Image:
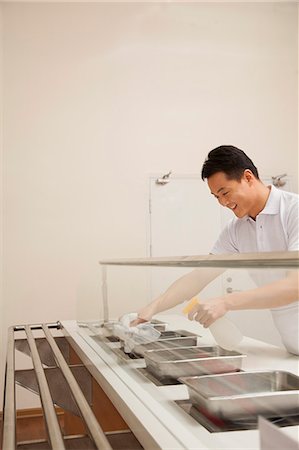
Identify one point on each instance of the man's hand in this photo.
(206, 312)
(137, 321)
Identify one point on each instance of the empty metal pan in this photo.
(190, 361)
(160, 326)
(168, 334)
(163, 343)
(242, 395)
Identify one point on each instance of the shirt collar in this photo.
(272, 204)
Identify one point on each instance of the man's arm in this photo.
(273, 295)
(182, 289)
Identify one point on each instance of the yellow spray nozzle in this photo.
(194, 301)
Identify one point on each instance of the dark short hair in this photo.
(230, 160)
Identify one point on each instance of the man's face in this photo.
(235, 195)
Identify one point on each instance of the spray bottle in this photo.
(225, 332)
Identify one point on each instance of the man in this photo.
(266, 219)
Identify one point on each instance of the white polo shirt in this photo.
(276, 228)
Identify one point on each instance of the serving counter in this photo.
(159, 415)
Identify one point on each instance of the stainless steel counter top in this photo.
(153, 412)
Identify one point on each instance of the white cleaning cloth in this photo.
(141, 334)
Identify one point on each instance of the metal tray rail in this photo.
(53, 428)
(95, 439)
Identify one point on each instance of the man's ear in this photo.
(248, 176)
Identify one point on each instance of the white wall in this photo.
(2, 327)
(97, 97)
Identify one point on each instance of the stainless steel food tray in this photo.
(169, 334)
(190, 361)
(160, 326)
(245, 394)
(163, 343)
